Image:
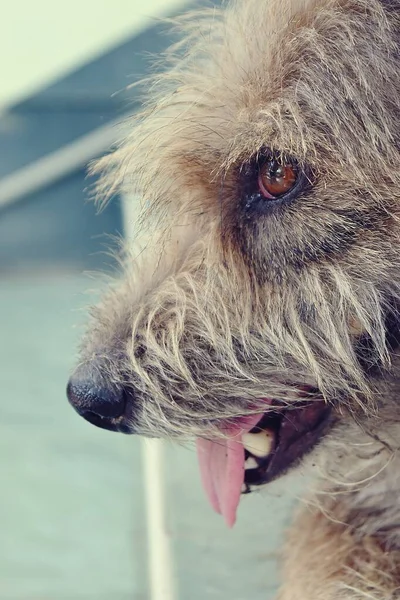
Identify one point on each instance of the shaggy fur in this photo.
(226, 305)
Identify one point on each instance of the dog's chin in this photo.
(281, 439)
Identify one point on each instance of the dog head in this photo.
(263, 305)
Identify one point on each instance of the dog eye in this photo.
(276, 177)
(271, 180)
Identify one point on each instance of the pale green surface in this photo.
(72, 509)
(71, 494)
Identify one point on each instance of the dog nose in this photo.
(95, 400)
(100, 401)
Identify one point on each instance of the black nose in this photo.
(95, 400)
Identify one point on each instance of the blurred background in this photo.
(76, 523)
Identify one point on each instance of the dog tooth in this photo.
(258, 444)
(251, 463)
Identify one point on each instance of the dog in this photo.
(261, 315)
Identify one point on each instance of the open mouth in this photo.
(280, 439)
(258, 449)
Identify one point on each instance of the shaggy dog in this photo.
(262, 315)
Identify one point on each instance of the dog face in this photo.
(263, 307)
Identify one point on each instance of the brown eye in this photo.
(276, 178)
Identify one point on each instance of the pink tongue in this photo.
(222, 468)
